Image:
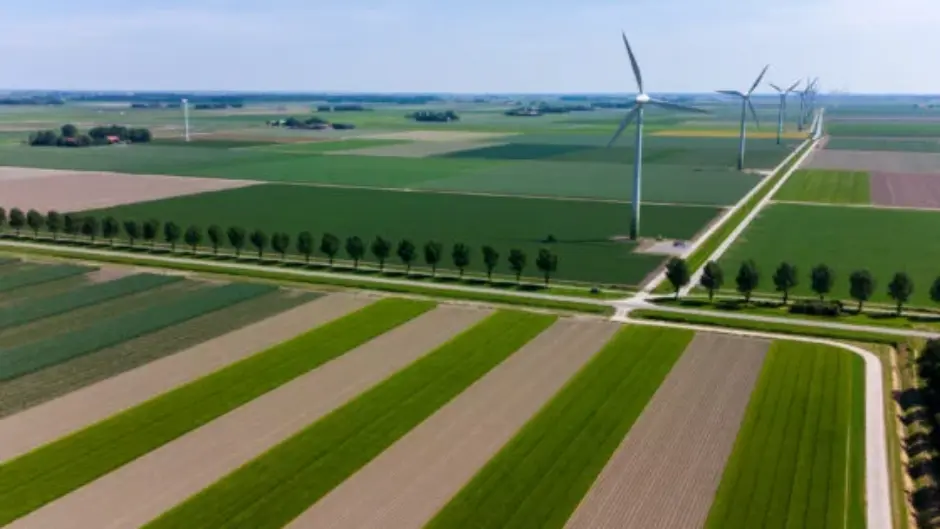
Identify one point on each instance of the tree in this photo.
(3, 218)
(748, 278)
(53, 223)
(490, 260)
(236, 237)
(433, 251)
(935, 291)
(171, 234)
(407, 252)
(71, 224)
(821, 279)
(517, 262)
(69, 131)
(712, 278)
(259, 240)
(215, 237)
(110, 228)
(150, 230)
(329, 246)
(193, 237)
(132, 229)
(861, 287)
(355, 248)
(280, 243)
(90, 227)
(35, 221)
(677, 272)
(381, 249)
(900, 289)
(547, 263)
(305, 244)
(461, 256)
(785, 279)
(17, 220)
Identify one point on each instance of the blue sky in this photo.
(478, 46)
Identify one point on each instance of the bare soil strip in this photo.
(65, 191)
(906, 190)
(887, 161)
(142, 490)
(406, 485)
(47, 422)
(665, 473)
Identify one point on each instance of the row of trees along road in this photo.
(238, 238)
(786, 277)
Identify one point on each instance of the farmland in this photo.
(830, 187)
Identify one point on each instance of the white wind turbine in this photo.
(745, 105)
(783, 106)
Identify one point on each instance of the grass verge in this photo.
(539, 477)
(289, 478)
(47, 473)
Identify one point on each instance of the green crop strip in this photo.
(40, 274)
(538, 478)
(31, 481)
(278, 486)
(33, 356)
(799, 457)
(36, 309)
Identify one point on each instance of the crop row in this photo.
(285, 481)
(40, 274)
(84, 296)
(539, 477)
(45, 474)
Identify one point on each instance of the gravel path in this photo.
(665, 473)
(406, 485)
(145, 488)
(47, 422)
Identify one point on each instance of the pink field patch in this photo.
(65, 191)
(905, 190)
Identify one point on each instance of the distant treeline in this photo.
(546, 108)
(37, 100)
(70, 136)
(427, 115)
(343, 107)
(230, 98)
(312, 123)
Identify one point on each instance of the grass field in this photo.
(582, 229)
(799, 458)
(539, 477)
(30, 481)
(885, 128)
(292, 476)
(31, 275)
(885, 144)
(847, 239)
(830, 187)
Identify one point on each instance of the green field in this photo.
(291, 477)
(830, 187)
(884, 128)
(885, 144)
(799, 459)
(31, 275)
(539, 477)
(32, 480)
(847, 239)
(582, 229)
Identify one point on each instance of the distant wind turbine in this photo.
(783, 106)
(745, 104)
(636, 113)
(805, 97)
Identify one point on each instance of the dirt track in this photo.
(912, 190)
(665, 473)
(887, 161)
(65, 191)
(145, 488)
(47, 422)
(405, 486)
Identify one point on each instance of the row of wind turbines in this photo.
(807, 105)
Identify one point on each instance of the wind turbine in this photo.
(805, 96)
(745, 104)
(636, 113)
(783, 106)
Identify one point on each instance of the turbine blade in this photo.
(676, 106)
(730, 93)
(794, 85)
(753, 112)
(624, 124)
(636, 67)
(759, 79)
(775, 87)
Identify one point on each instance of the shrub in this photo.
(817, 308)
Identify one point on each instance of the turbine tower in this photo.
(636, 113)
(783, 106)
(805, 96)
(745, 104)
(185, 104)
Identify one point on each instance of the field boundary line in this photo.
(858, 206)
(877, 489)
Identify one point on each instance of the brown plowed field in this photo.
(909, 190)
(405, 486)
(665, 473)
(64, 191)
(887, 161)
(47, 422)
(145, 488)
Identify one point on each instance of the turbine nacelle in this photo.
(642, 99)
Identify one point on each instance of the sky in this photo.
(483, 46)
